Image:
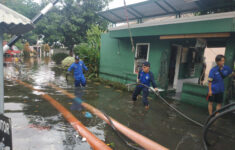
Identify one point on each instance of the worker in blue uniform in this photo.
(145, 77)
(216, 83)
(78, 66)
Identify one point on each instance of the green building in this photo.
(174, 47)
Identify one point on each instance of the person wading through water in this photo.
(78, 66)
(216, 83)
(145, 77)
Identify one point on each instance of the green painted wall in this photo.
(117, 59)
(210, 26)
(194, 94)
(230, 59)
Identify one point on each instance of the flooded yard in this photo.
(36, 124)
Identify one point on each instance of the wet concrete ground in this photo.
(36, 124)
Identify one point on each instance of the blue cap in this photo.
(77, 57)
(146, 64)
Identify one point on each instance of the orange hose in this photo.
(95, 143)
(143, 141)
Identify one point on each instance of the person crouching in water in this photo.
(216, 83)
(145, 77)
(78, 66)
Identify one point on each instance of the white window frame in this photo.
(136, 48)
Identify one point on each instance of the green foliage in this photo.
(66, 23)
(19, 45)
(59, 57)
(69, 23)
(93, 37)
(67, 62)
(90, 52)
(27, 8)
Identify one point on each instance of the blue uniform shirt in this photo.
(217, 80)
(78, 69)
(147, 78)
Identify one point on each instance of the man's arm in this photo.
(210, 79)
(84, 66)
(71, 67)
(210, 90)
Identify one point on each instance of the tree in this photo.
(27, 8)
(66, 23)
(90, 51)
(69, 23)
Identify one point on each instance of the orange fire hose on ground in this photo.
(141, 140)
(94, 142)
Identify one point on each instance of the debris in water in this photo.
(108, 87)
(88, 115)
(39, 127)
(83, 139)
(96, 83)
(111, 144)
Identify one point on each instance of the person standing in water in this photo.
(145, 77)
(216, 83)
(78, 66)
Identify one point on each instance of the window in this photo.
(141, 55)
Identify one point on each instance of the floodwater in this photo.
(36, 124)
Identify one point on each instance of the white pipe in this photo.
(47, 8)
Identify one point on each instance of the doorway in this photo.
(172, 66)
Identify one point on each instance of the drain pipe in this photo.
(141, 140)
(94, 142)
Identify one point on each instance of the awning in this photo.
(155, 8)
(12, 22)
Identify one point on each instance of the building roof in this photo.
(13, 22)
(219, 22)
(155, 8)
(208, 17)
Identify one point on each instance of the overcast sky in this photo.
(116, 3)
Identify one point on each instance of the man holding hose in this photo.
(145, 77)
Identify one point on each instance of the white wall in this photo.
(210, 54)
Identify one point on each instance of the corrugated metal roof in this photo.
(13, 22)
(158, 8)
(178, 20)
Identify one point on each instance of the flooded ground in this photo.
(36, 124)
